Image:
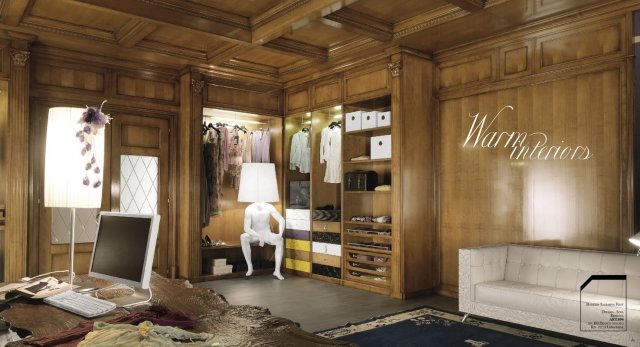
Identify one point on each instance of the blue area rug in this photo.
(428, 327)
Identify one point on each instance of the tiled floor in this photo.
(317, 305)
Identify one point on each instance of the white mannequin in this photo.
(257, 229)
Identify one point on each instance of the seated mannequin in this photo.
(257, 229)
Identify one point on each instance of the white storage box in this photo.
(353, 121)
(221, 270)
(300, 214)
(384, 119)
(326, 248)
(381, 147)
(298, 224)
(220, 262)
(369, 119)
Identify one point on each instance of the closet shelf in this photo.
(371, 131)
(370, 236)
(366, 192)
(369, 249)
(368, 223)
(372, 161)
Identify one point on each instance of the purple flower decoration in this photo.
(92, 121)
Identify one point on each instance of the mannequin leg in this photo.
(245, 241)
(279, 252)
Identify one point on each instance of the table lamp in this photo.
(635, 240)
(258, 185)
(73, 160)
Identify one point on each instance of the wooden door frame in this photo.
(39, 235)
(167, 260)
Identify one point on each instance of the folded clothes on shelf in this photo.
(374, 259)
(371, 219)
(360, 158)
(382, 232)
(376, 245)
(327, 215)
(367, 276)
(383, 188)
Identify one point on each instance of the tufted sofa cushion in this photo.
(569, 269)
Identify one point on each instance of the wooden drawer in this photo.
(326, 259)
(367, 267)
(299, 245)
(298, 265)
(330, 227)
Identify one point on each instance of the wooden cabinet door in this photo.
(140, 174)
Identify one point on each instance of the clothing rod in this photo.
(224, 119)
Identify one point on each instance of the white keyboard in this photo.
(84, 305)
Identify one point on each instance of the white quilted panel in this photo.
(531, 256)
(550, 257)
(529, 274)
(590, 261)
(548, 276)
(569, 260)
(612, 264)
(567, 279)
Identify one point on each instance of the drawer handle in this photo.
(368, 117)
(379, 143)
(383, 117)
(353, 117)
(324, 228)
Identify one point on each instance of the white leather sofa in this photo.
(540, 287)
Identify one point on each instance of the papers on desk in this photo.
(36, 289)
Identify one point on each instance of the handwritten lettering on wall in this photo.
(524, 145)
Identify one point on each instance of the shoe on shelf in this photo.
(207, 241)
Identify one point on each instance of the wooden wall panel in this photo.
(145, 88)
(486, 197)
(218, 96)
(467, 70)
(76, 77)
(327, 93)
(298, 100)
(516, 60)
(367, 83)
(5, 65)
(593, 41)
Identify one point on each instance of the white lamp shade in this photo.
(635, 240)
(258, 183)
(65, 165)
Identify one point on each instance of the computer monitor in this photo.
(124, 248)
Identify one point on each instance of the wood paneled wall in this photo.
(568, 86)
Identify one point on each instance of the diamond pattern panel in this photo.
(86, 225)
(138, 184)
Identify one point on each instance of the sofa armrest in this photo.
(476, 265)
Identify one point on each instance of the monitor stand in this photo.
(139, 297)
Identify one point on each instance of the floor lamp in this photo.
(73, 159)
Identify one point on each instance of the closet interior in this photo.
(230, 138)
(313, 142)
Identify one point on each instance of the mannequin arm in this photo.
(281, 221)
(247, 225)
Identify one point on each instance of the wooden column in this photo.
(18, 173)
(189, 161)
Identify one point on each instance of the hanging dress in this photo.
(331, 153)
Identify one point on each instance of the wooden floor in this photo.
(317, 305)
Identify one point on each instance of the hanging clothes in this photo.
(248, 148)
(331, 153)
(236, 156)
(300, 152)
(213, 158)
(261, 146)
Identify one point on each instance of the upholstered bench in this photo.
(540, 287)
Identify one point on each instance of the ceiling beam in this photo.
(360, 23)
(160, 13)
(300, 49)
(219, 54)
(15, 11)
(292, 18)
(133, 32)
(427, 20)
(468, 5)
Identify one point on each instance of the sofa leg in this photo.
(465, 317)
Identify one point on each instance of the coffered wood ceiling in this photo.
(276, 41)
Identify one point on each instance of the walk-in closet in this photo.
(229, 139)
